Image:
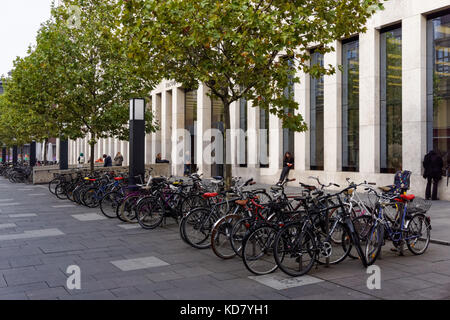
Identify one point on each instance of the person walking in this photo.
(288, 164)
(433, 165)
(108, 161)
(81, 160)
(118, 159)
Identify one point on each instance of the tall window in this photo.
(243, 127)
(316, 116)
(391, 101)
(438, 85)
(288, 135)
(350, 106)
(264, 138)
(190, 120)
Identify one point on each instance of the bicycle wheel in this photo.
(418, 234)
(126, 212)
(192, 202)
(335, 251)
(295, 250)
(53, 184)
(150, 213)
(60, 191)
(109, 204)
(362, 224)
(257, 250)
(263, 197)
(374, 242)
(238, 233)
(197, 225)
(90, 198)
(221, 236)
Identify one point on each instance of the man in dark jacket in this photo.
(433, 165)
(288, 164)
(107, 161)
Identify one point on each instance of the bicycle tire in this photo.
(413, 228)
(150, 207)
(221, 236)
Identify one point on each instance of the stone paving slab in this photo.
(35, 268)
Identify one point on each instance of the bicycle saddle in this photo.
(386, 188)
(308, 187)
(408, 197)
(217, 178)
(210, 195)
(241, 202)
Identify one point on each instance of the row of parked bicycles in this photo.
(267, 229)
(16, 173)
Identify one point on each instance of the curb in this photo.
(441, 242)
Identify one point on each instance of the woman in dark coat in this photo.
(433, 165)
(288, 164)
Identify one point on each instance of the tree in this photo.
(235, 47)
(91, 71)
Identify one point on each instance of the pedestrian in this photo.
(159, 160)
(108, 161)
(288, 164)
(433, 165)
(118, 159)
(81, 160)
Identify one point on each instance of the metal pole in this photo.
(33, 154)
(63, 154)
(137, 150)
(14, 157)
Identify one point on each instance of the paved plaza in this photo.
(41, 236)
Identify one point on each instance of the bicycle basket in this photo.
(419, 205)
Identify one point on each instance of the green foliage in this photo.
(236, 47)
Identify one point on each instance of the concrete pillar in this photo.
(275, 143)
(156, 136)
(302, 97)
(369, 101)
(233, 138)
(252, 135)
(414, 84)
(178, 125)
(333, 112)
(124, 145)
(58, 146)
(166, 125)
(203, 124)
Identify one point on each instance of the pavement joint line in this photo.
(5, 200)
(37, 194)
(64, 206)
(129, 226)
(32, 234)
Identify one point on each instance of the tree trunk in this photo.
(228, 168)
(45, 151)
(92, 144)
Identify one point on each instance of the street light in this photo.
(137, 139)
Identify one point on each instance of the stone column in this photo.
(369, 101)
(156, 136)
(252, 135)
(414, 84)
(302, 96)
(178, 101)
(166, 125)
(333, 112)
(57, 149)
(203, 124)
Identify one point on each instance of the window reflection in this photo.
(316, 116)
(350, 106)
(438, 88)
(391, 101)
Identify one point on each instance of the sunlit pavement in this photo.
(41, 236)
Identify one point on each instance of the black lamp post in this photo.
(14, 157)
(3, 155)
(33, 154)
(137, 139)
(63, 154)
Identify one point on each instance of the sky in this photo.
(19, 22)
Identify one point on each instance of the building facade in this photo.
(383, 112)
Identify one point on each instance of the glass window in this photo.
(350, 106)
(190, 121)
(316, 116)
(391, 101)
(438, 86)
(243, 127)
(264, 138)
